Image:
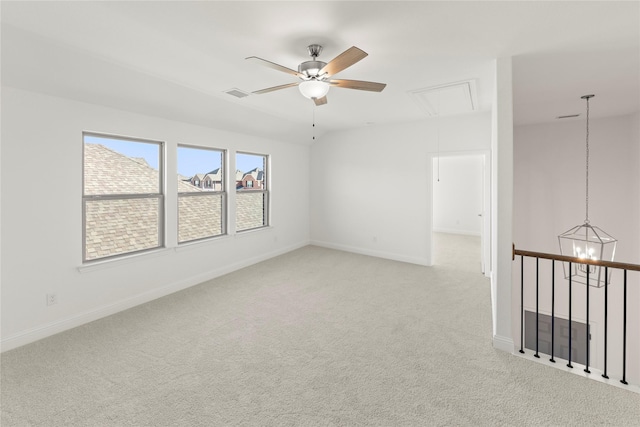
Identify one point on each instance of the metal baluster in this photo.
(586, 369)
(553, 305)
(570, 275)
(522, 304)
(537, 313)
(624, 333)
(606, 299)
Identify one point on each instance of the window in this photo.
(252, 198)
(201, 210)
(122, 199)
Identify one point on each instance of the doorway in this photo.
(460, 206)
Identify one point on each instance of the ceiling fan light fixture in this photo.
(315, 74)
(314, 89)
(311, 68)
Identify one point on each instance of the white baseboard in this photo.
(578, 369)
(369, 252)
(49, 329)
(503, 343)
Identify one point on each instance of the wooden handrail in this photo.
(610, 264)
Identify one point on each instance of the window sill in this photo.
(243, 233)
(125, 259)
(155, 253)
(198, 244)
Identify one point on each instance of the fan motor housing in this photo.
(311, 68)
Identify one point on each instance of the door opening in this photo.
(460, 198)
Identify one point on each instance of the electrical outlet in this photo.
(52, 299)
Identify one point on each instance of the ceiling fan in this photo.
(315, 75)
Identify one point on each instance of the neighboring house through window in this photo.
(201, 207)
(214, 179)
(122, 200)
(252, 192)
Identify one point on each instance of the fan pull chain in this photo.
(314, 123)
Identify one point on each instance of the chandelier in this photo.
(586, 241)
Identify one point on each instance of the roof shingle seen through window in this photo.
(109, 172)
(122, 226)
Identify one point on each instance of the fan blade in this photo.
(275, 66)
(320, 101)
(271, 89)
(358, 84)
(344, 60)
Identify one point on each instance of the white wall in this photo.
(550, 182)
(549, 199)
(42, 215)
(502, 205)
(457, 194)
(635, 137)
(371, 187)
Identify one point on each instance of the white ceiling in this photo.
(176, 59)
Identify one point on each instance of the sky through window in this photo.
(190, 161)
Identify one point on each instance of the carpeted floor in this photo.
(316, 337)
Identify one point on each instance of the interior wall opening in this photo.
(460, 199)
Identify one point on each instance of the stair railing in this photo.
(624, 267)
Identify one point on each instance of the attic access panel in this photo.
(448, 99)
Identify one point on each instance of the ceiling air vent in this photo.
(236, 92)
(447, 99)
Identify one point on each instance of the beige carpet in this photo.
(457, 251)
(316, 337)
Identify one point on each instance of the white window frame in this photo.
(222, 192)
(265, 190)
(160, 196)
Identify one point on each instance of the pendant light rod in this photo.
(586, 220)
(438, 134)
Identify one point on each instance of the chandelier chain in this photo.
(586, 221)
(438, 135)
